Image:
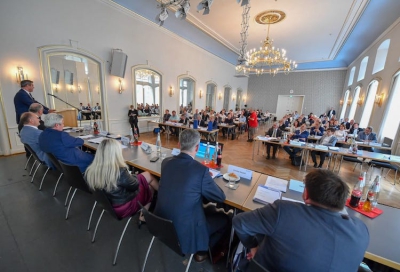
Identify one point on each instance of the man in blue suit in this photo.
(63, 146)
(314, 236)
(30, 135)
(183, 185)
(23, 99)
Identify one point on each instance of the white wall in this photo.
(385, 76)
(99, 26)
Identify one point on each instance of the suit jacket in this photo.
(332, 140)
(22, 101)
(271, 131)
(321, 131)
(40, 127)
(30, 135)
(331, 112)
(65, 148)
(364, 137)
(183, 185)
(298, 237)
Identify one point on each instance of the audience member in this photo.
(331, 112)
(316, 129)
(109, 172)
(274, 132)
(367, 136)
(327, 139)
(133, 119)
(36, 109)
(341, 134)
(166, 117)
(302, 136)
(185, 183)
(253, 124)
(63, 146)
(291, 236)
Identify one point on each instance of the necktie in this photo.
(274, 133)
(31, 96)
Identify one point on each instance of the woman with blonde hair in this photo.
(109, 172)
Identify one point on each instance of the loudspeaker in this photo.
(118, 64)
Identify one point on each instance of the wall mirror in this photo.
(210, 96)
(74, 76)
(147, 91)
(186, 94)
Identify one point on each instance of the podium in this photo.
(70, 117)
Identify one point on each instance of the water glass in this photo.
(231, 183)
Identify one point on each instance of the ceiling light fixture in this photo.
(267, 59)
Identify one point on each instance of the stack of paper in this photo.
(96, 140)
(334, 148)
(276, 184)
(265, 196)
(214, 173)
(321, 147)
(86, 136)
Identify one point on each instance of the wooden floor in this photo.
(239, 152)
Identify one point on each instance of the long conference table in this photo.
(383, 230)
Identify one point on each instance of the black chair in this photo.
(387, 165)
(104, 202)
(35, 156)
(75, 179)
(254, 266)
(353, 159)
(57, 165)
(164, 230)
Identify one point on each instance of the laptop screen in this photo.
(203, 146)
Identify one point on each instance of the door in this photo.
(288, 104)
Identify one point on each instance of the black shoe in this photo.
(200, 257)
(315, 165)
(320, 166)
(141, 220)
(268, 157)
(249, 140)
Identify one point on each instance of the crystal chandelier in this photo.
(267, 59)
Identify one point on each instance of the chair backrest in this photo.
(55, 162)
(74, 177)
(256, 267)
(387, 142)
(35, 156)
(102, 199)
(164, 230)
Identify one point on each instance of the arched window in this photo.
(354, 103)
(344, 107)
(392, 121)
(147, 87)
(351, 76)
(210, 95)
(369, 103)
(363, 68)
(186, 97)
(381, 55)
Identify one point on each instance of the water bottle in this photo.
(210, 126)
(357, 193)
(135, 135)
(158, 144)
(195, 123)
(131, 138)
(219, 156)
(377, 189)
(207, 154)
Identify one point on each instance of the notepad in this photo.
(85, 136)
(334, 148)
(214, 173)
(96, 140)
(276, 183)
(265, 196)
(321, 147)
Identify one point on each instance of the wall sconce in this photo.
(79, 89)
(219, 96)
(171, 91)
(19, 75)
(55, 88)
(71, 88)
(360, 100)
(379, 99)
(341, 102)
(201, 94)
(348, 102)
(233, 97)
(120, 88)
(244, 98)
(98, 90)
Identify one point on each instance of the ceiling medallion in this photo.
(270, 17)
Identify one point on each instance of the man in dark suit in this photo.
(292, 236)
(331, 112)
(36, 109)
(275, 132)
(63, 146)
(23, 99)
(184, 184)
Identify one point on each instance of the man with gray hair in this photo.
(183, 185)
(37, 109)
(63, 146)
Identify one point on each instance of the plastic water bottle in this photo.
(131, 138)
(207, 154)
(158, 144)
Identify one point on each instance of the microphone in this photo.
(51, 94)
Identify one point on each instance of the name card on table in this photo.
(321, 147)
(297, 143)
(103, 133)
(296, 185)
(125, 140)
(241, 172)
(175, 152)
(274, 183)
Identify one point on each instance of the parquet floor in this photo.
(239, 152)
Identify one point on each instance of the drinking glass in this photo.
(231, 183)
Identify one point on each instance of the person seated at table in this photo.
(274, 132)
(201, 122)
(242, 122)
(185, 183)
(316, 129)
(228, 121)
(292, 236)
(174, 119)
(295, 126)
(37, 109)
(109, 172)
(328, 139)
(367, 136)
(214, 123)
(220, 118)
(301, 135)
(341, 133)
(62, 145)
(282, 125)
(166, 117)
(87, 112)
(346, 123)
(97, 111)
(355, 129)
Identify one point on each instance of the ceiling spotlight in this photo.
(244, 2)
(182, 10)
(162, 16)
(205, 4)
